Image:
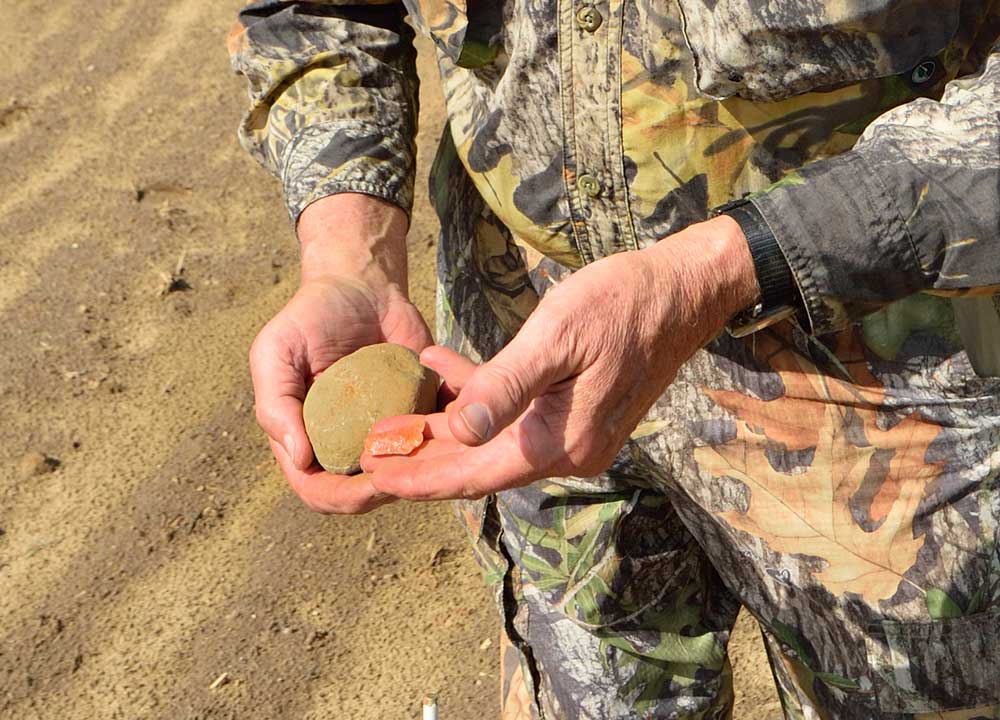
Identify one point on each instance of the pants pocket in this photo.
(599, 558)
(978, 322)
(936, 666)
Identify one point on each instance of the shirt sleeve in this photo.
(915, 205)
(333, 97)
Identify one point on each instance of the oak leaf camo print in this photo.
(836, 476)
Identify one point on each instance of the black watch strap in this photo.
(777, 284)
(780, 297)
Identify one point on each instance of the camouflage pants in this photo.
(843, 489)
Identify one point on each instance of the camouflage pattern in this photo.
(837, 475)
(609, 608)
(333, 92)
(852, 504)
(921, 188)
(314, 119)
(848, 500)
(770, 50)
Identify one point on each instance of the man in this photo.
(640, 473)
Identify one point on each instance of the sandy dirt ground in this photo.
(153, 563)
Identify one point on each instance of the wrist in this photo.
(350, 235)
(730, 260)
(710, 265)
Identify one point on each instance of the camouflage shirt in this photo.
(868, 132)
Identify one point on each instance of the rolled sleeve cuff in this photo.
(844, 238)
(331, 158)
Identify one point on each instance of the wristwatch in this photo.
(779, 297)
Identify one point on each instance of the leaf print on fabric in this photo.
(940, 606)
(806, 511)
(517, 700)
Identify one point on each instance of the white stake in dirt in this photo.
(430, 708)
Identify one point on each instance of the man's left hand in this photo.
(564, 395)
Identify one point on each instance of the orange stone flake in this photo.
(396, 437)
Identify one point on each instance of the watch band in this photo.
(779, 297)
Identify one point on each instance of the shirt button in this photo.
(589, 185)
(589, 18)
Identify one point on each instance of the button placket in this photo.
(590, 78)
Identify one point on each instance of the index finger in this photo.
(453, 369)
(466, 472)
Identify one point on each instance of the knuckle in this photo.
(356, 508)
(588, 457)
(471, 493)
(257, 348)
(565, 467)
(312, 503)
(270, 340)
(342, 506)
(263, 416)
(331, 502)
(558, 315)
(303, 498)
(506, 380)
(315, 507)
(560, 332)
(353, 506)
(581, 447)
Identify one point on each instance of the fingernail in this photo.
(289, 444)
(477, 419)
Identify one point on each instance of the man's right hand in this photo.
(353, 293)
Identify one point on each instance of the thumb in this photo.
(500, 390)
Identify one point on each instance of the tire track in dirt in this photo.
(143, 626)
(45, 22)
(123, 95)
(128, 458)
(140, 314)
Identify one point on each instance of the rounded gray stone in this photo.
(354, 393)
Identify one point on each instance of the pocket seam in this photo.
(891, 695)
(842, 74)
